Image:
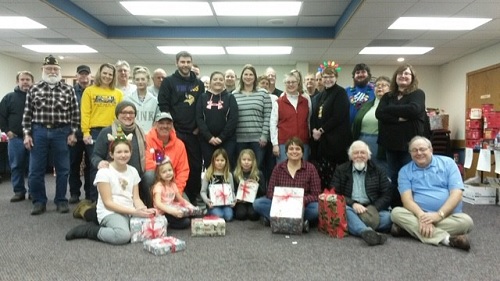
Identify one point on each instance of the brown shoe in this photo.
(81, 208)
(398, 231)
(460, 242)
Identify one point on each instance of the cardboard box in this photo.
(479, 195)
(479, 191)
(480, 200)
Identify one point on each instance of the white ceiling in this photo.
(324, 30)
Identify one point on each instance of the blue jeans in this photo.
(396, 160)
(262, 206)
(260, 152)
(225, 212)
(283, 156)
(76, 154)
(45, 141)
(355, 225)
(18, 161)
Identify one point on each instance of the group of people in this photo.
(145, 147)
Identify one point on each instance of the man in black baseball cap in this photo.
(83, 79)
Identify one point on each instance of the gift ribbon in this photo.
(328, 197)
(221, 194)
(287, 196)
(151, 232)
(211, 217)
(245, 190)
(171, 241)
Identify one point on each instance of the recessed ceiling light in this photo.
(257, 8)
(19, 23)
(435, 23)
(255, 50)
(395, 50)
(198, 50)
(60, 48)
(61, 57)
(164, 8)
(401, 59)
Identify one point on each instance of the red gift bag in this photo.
(332, 216)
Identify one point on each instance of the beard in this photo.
(51, 79)
(362, 83)
(359, 165)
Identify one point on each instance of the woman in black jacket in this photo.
(331, 131)
(401, 114)
(217, 117)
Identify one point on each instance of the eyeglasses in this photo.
(130, 113)
(381, 85)
(421, 150)
(406, 73)
(291, 82)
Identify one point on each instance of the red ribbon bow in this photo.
(245, 190)
(287, 196)
(221, 194)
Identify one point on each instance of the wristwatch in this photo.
(441, 214)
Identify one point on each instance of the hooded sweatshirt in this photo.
(174, 149)
(178, 96)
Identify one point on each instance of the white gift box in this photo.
(247, 191)
(221, 194)
(287, 210)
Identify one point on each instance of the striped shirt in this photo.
(51, 106)
(253, 117)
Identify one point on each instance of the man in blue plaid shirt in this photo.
(51, 118)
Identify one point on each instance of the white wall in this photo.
(444, 86)
(8, 68)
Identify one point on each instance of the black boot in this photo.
(88, 230)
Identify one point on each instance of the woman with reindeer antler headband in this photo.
(125, 113)
(118, 186)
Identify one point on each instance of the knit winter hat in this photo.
(122, 105)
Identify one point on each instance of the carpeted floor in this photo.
(33, 248)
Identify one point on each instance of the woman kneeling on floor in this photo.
(118, 198)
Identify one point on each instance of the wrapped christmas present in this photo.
(142, 229)
(164, 245)
(221, 194)
(208, 226)
(186, 211)
(332, 215)
(287, 210)
(247, 191)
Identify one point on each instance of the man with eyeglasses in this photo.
(51, 118)
(368, 194)
(431, 191)
(362, 91)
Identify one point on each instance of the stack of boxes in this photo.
(482, 127)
